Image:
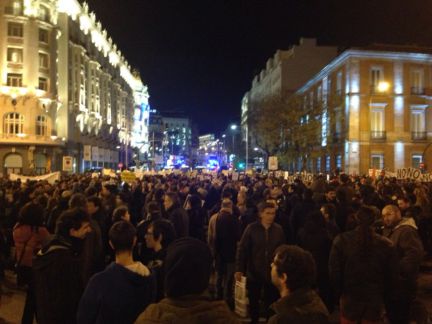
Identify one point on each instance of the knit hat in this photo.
(187, 267)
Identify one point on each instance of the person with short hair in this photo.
(176, 214)
(57, 270)
(187, 274)
(403, 233)
(121, 214)
(160, 234)
(293, 273)
(124, 289)
(254, 257)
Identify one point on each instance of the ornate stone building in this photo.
(65, 90)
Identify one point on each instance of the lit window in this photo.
(43, 13)
(318, 164)
(15, 30)
(41, 125)
(43, 35)
(14, 8)
(376, 76)
(43, 84)
(14, 80)
(43, 60)
(416, 159)
(14, 55)
(327, 163)
(377, 161)
(13, 124)
(339, 162)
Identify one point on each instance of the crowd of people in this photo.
(169, 249)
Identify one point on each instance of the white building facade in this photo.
(65, 90)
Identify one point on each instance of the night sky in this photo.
(199, 57)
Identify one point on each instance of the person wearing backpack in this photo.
(29, 235)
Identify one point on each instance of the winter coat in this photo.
(256, 249)
(197, 219)
(409, 250)
(301, 306)
(363, 279)
(191, 309)
(227, 236)
(299, 215)
(35, 238)
(57, 282)
(316, 240)
(117, 295)
(180, 220)
(93, 254)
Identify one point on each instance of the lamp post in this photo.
(233, 129)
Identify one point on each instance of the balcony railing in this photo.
(378, 135)
(418, 136)
(418, 91)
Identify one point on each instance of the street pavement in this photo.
(12, 299)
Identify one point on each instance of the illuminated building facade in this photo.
(283, 75)
(65, 90)
(379, 98)
(178, 136)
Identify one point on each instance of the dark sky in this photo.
(200, 57)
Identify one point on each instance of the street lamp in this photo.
(383, 86)
(233, 129)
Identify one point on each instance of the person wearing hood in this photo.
(176, 214)
(403, 233)
(58, 283)
(124, 289)
(187, 274)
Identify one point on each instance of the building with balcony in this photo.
(375, 109)
(283, 75)
(65, 90)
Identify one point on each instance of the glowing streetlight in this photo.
(383, 86)
(233, 127)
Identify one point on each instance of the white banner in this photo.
(87, 152)
(408, 173)
(272, 163)
(50, 177)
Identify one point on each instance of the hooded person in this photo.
(124, 289)
(187, 274)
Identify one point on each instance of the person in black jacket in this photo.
(197, 217)
(315, 238)
(121, 292)
(254, 256)
(364, 270)
(176, 214)
(57, 276)
(226, 237)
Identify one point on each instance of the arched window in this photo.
(13, 123)
(41, 125)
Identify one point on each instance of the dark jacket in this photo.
(117, 295)
(409, 250)
(188, 310)
(301, 306)
(57, 281)
(227, 236)
(299, 215)
(256, 249)
(197, 219)
(363, 278)
(180, 220)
